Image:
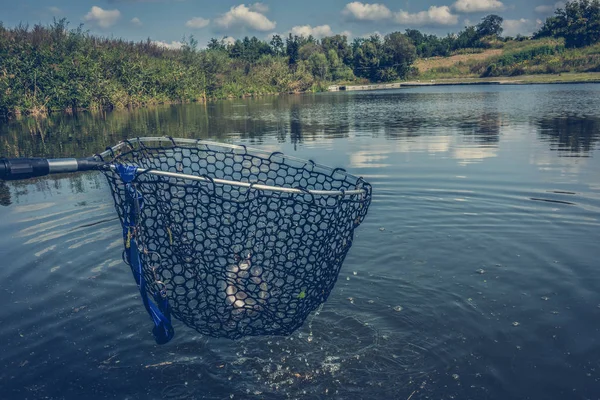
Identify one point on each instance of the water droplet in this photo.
(398, 308)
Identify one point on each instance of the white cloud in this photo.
(102, 18)
(228, 41)
(434, 16)
(514, 27)
(55, 10)
(243, 17)
(366, 12)
(172, 46)
(259, 8)
(549, 9)
(317, 32)
(473, 6)
(197, 23)
(136, 22)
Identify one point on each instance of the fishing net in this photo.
(232, 241)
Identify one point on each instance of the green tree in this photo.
(468, 38)
(578, 23)
(398, 55)
(277, 46)
(490, 25)
(292, 45)
(338, 43)
(367, 57)
(319, 66)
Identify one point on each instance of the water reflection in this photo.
(483, 129)
(478, 115)
(570, 135)
(5, 199)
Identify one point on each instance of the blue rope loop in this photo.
(159, 309)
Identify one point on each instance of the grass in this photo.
(547, 57)
(572, 77)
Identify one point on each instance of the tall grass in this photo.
(48, 68)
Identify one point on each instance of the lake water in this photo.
(475, 275)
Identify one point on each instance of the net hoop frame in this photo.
(130, 144)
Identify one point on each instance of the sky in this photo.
(168, 21)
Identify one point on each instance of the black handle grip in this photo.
(23, 168)
(12, 169)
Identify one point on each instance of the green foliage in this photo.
(578, 23)
(490, 25)
(469, 39)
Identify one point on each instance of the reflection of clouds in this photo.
(427, 144)
(369, 159)
(450, 146)
(472, 155)
(559, 166)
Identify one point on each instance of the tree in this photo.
(398, 55)
(292, 45)
(467, 39)
(215, 44)
(308, 49)
(578, 23)
(338, 43)
(277, 45)
(490, 26)
(319, 65)
(367, 57)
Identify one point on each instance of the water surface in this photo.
(475, 274)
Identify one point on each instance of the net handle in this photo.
(26, 168)
(242, 149)
(248, 185)
(13, 169)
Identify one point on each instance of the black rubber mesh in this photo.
(240, 261)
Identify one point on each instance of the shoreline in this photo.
(542, 79)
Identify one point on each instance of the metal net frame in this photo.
(234, 241)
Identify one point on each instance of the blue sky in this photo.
(167, 21)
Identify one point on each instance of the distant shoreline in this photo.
(566, 78)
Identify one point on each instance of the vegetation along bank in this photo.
(53, 68)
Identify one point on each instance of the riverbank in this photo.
(578, 77)
(585, 77)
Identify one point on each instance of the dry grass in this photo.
(582, 77)
(426, 64)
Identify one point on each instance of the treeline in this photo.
(47, 68)
(53, 68)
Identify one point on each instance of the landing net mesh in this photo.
(238, 261)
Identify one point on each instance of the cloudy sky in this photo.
(167, 21)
